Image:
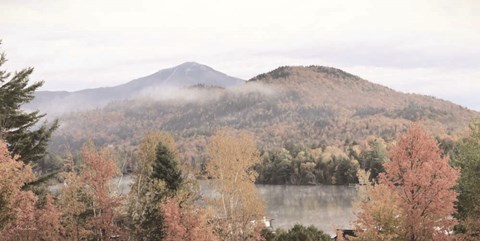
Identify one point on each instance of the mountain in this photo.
(184, 75)
(313, 106)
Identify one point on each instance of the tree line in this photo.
(338, 165)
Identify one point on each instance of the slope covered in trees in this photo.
(312, 106)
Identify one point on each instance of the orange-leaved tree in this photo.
(424, 182)
(73, 206)
(97, 173)
(185, 223)
(17, 207)
(48, 221)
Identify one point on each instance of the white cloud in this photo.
(414, 45)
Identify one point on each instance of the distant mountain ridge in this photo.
(307, 105)
(183, 75)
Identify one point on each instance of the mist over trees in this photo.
(311, 106)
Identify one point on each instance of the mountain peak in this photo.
(334, 72)
(285, 72)
(190, 64)
(184, 75)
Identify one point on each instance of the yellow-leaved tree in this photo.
(380, 217)
(238, 208)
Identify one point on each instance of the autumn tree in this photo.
(173, 227)
(73, 201)
(380, 217)
(97, 173)
(469, 230)
(230, 166)
(424, 182)
(22, 131)
(23, 226)
(48, 221)
(468, 160)
(152, 184)
(17, 207)
(185, 223)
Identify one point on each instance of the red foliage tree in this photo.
(23, 227)
(173, 226)
(424, 182)
(17, 207)
(48, 221)
(97, 173)
(185, 223)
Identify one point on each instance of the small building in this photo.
(268, 222)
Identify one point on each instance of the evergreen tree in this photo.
(296, 233)
(165, 168)
(468, 161)
(166, 179)
(152, 184)
(373, 158)
(21, 130)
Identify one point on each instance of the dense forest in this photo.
(312, 124)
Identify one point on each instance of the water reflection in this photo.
(326, 207)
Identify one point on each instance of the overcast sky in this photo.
(428, 47)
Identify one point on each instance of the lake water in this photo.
(325, 206)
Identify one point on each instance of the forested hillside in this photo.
(311, 106)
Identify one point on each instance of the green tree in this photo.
(297, 233)
(373, 158)
(165, 168)
(152, 184)
(345, 171)
(21, 129)
(468, 160)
